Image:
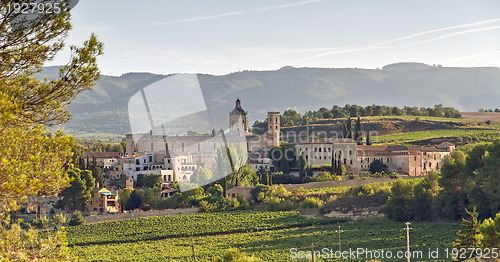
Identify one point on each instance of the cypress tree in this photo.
(339, 167)
(302, 164)
(359, 135)
(333, 165)
(368, 138)
(349, 128)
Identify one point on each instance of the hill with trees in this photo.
(104, 109)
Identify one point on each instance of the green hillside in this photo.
(104, 109)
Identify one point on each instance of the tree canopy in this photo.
(33, 162)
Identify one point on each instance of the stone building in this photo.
(107, 160)
(411, 160)
(321, 152)
(101, 199)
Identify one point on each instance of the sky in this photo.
(220, 37)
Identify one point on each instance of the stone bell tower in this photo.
(273, 129)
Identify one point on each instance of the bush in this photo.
(377, 167)
(41, 222)
(58, 219)
(259, 192)
(277, 191)
(280, 178)
(76, 219)
(325, 176)
(311, 202)
(278, 204)
(216, 204)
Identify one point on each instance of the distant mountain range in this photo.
(104, 109)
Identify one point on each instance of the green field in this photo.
(429, 134)
(267, 235)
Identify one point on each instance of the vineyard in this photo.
(267, 235)
(408, 137)
(204, 224)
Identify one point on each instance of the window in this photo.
(320, 149)
(387, 160)
(345, 161)
(414, 158)
(424, 165)
(144, 160)
(329, 150)
(319, 157)
(350, 152)
(307, 157)
(315, 149)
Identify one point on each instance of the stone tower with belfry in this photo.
(273, 128)
(237, 115)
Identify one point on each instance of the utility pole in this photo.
(408, 240)
(340, 245)
(312, 247)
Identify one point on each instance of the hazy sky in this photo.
(220, 37)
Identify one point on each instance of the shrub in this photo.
(259, 192)
(58, 219)
(325, 176)
(278, 204)
(277, 191)
(76, 219)
(311, 202)
(40, 222)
